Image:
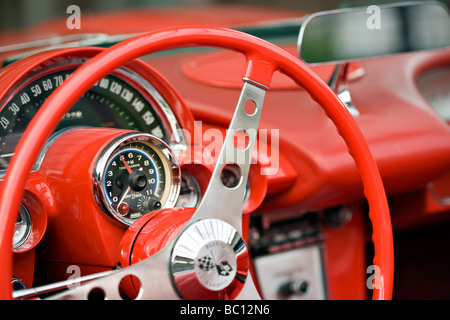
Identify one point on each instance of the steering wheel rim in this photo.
(263, 59)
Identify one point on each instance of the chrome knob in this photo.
(296, 286)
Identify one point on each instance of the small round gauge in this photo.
(190, 192)
(136, 174)
(23, 227)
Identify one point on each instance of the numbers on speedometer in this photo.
(118, 100)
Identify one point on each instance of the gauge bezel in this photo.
(171, 168)
(26, 218)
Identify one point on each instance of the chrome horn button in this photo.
(209, 261)
(215, 265)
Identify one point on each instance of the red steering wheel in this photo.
(263, 59)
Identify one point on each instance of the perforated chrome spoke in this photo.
(220, 201)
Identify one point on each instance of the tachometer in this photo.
(134, 175)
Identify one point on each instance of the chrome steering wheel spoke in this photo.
(222, 202)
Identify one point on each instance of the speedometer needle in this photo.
(126, 164)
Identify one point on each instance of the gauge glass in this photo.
(22, 228)
(137, 175)
(190, 192)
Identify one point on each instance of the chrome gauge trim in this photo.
(170, 167)
(190, 192)
(22, 228)
(47, 145)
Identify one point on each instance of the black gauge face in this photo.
(136, 175)
(135, 180)
(115, 102)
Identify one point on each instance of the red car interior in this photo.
(336, 206)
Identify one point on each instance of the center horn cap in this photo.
(209, 261)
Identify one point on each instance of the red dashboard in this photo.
(158, 123)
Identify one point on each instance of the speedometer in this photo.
(134, 175)
(122, 99)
